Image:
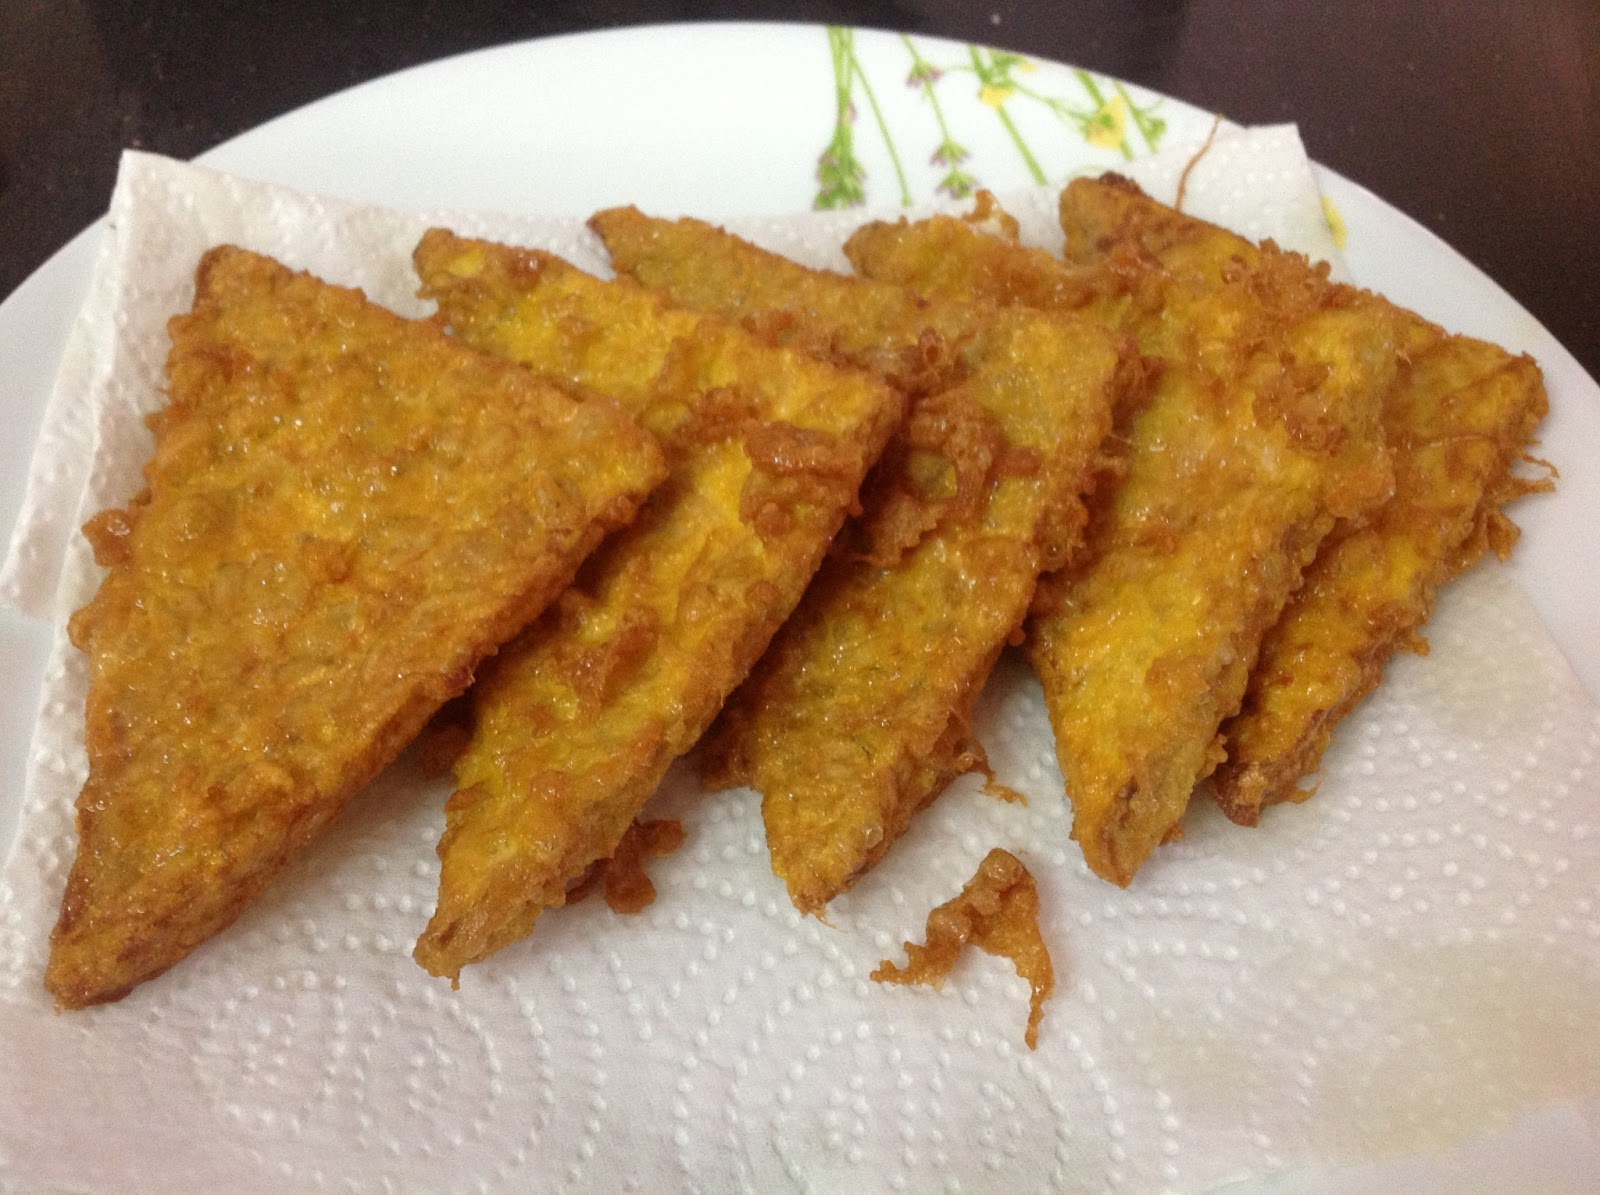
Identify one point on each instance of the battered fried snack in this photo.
(346, 511)
(1460, 412)
(1457, 420)
(873, 326)
(998, 911)
(857, 716)
(577, 722)
(1263, 432)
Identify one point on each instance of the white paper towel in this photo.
(1411, 958)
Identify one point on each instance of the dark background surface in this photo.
(1480, 118)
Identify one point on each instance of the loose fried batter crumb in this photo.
(628, 887)
(974, 758)
(998, 910)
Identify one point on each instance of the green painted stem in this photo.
(883, 128)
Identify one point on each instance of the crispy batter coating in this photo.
(998, 911)
(577, 722)
(346, 511)
(1459, 412)
(857, 717)
(883, 328)
(1457, 420)
(1262, 432)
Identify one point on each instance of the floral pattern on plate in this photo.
(1105, 114)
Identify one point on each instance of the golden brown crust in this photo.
(1262, 428)
(857, 717)
(346, 512)
(1458, 419)
(579, 719)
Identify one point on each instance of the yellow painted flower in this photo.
(1107, 128)
(1336, 224)
(995, 95)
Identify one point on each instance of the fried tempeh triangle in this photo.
(346, 511)
(857, 717)
(1457, 420)
(1262, 433)
(1460, 413)
(578, 720)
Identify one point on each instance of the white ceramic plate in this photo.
(737, 119)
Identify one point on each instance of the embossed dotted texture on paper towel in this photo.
(1332, 985)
